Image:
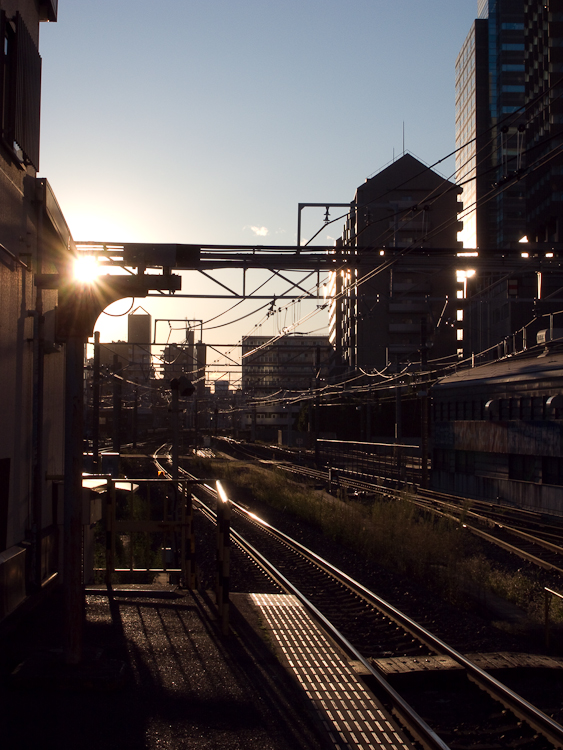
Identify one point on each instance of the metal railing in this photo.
(401, 464)
(149, 528)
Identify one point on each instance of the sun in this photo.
(86, 269)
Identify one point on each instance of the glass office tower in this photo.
(489, 100)
(473, 158)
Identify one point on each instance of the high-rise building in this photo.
(396, 307)
(473, 132)
(290, 363)
(507, 211)
(515, 191)
(490, 126)
(543, 62)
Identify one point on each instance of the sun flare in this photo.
(86, 269)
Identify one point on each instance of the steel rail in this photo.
(520, 707)
(511, 700)
(404, 712)
(425, 503)
(523, 554)
(495, 524)
(504, 513)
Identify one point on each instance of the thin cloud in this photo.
(259, 231)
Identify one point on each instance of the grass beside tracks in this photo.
(395, 534)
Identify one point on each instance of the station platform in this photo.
(157, 674)
(350, 714)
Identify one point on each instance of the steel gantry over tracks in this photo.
(282, 260)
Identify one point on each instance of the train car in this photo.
(497, 432)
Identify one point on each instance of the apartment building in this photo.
(275, 372)
(396, 307)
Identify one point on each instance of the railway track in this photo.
(530, 536)
(481, 711)
(539, 548)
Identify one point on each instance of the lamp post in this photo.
(96, 406)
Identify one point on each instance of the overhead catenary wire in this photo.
(366, 277)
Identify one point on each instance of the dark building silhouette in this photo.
(509, 119)
(396, 308)
(543, 59)
(473, 125)
(271, 370)
(509, 124)
(490, 126)
(34, 240)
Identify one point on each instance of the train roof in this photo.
(518, 369)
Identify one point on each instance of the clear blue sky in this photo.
(208, 122)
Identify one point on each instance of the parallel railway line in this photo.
(369, 628)
(531, 536)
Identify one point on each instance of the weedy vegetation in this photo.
(395, 534)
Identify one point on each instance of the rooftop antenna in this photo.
(403, 137)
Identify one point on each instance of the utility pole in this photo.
(423, 406)
(398, 426)
(180, 387)
(398, 412)
(96, 406)
(117, 387)
(196, 427)
(135, 412)
(316, 411)
(174, 386)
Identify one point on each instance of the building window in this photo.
(20, 94)
(522, 468)
(464, 462)
(515, 408)
(526, 408)
(538, 408)
(552, 470)
(442, 460)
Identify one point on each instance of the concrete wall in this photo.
(34, 240)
